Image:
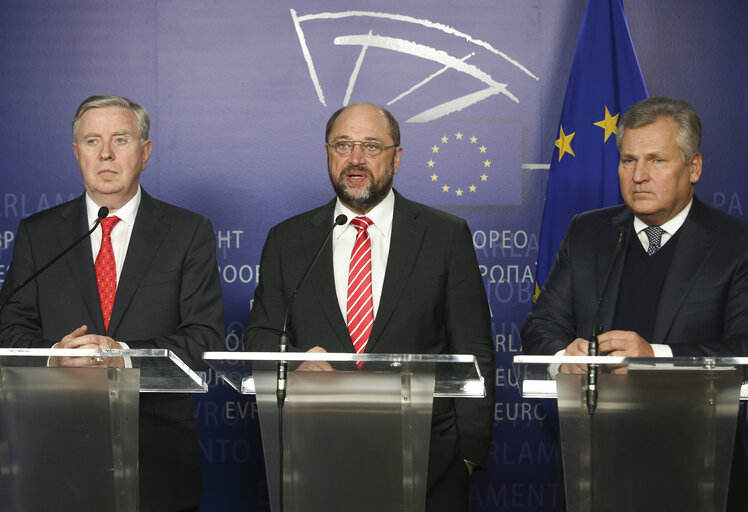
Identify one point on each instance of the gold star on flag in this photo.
(445, 139)
(473, 139)
(431, 163)
(482, 149)
(484, 177)
(487, 163)
(445, 188)
(608, 124)
(473, 188)
(564, 143)
(434, 177)
(435, 149)
(458, 135)
(458, 192)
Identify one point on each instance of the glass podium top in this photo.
(160, 369)
(538, 373)
(456, 375)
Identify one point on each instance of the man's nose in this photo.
(106, 152)
(357, 155)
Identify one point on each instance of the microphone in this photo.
(103, 212)
(591, 389)
(284, 339)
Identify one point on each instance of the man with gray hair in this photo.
(148, 279)
(680, 287)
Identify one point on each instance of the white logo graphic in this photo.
(395, 44)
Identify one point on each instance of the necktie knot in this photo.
(361, 223)
(107, 224)
(654, 235)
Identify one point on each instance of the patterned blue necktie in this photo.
(654, 234)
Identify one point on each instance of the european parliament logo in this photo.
(435, 79)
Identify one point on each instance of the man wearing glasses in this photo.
(398, 277)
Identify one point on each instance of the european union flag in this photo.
(605, 80)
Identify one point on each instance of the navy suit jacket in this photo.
(169, 297)
(433, 301)
(703, 307)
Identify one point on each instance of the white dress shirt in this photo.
(668, 229)
(343, 239)
(120, 233)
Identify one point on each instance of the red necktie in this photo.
(360, 303)
(106, 269)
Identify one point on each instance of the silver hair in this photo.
(650, 110)
(112, 100)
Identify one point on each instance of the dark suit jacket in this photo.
(169, 296)
(433, 301)
(703, 308)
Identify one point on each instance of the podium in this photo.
(352, 440)
(661, 436)
(69, 436)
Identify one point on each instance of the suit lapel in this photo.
(147, 236)
(606, 246)
(80, 259)
(322, 277)
(405, 242)
(690, 256)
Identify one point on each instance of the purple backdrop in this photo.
(239, 93)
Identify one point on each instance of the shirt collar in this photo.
(672, 226)
(381, 215)
(126, 214)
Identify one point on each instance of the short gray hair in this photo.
(649, 110)
(112, 100)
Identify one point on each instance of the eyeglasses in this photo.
(369, 147)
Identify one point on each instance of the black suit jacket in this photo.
(433, 301)
(169, 296)
(703, 308)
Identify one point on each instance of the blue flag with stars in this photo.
(605, 80)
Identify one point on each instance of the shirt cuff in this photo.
(662, 350)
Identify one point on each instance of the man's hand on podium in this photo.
(624, 344)
(578, 347)
(79, 339)
(315, 366)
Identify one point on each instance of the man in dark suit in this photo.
(168, 295)
(425, 294)
(690, 297)
(680, 287)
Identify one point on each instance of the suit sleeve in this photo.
(730, 320)
(199, 325)
(551, 325)
(266, 315)
(21, 320)
(468, 325)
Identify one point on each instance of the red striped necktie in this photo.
(360, 302)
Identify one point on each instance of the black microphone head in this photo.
(103, 212)
(340, 220)
(621, 232)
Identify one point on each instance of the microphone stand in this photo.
(103, 212)
(284, 341)
(592, 350)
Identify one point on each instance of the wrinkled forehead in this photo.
(361, 121)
